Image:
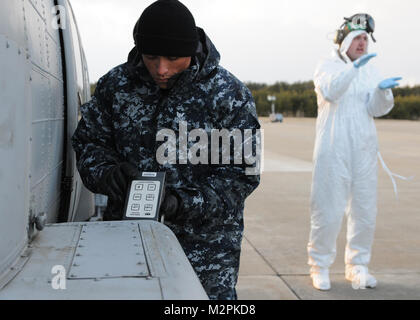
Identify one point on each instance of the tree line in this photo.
(299, 100)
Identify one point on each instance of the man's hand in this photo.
(115, 181)
(389, 83)
(170, 204)
(363, 60)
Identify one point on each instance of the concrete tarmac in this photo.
(277, 219)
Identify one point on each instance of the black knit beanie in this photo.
(166, 28)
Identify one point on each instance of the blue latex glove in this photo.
(389, 83)
(363, 60)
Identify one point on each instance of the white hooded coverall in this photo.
(345, 157)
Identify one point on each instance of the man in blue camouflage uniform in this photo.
(116, 139)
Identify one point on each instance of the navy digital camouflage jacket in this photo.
(120, 124)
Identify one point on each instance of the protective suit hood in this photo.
(345, 45)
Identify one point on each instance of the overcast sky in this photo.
(261, 40)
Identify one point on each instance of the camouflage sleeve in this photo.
(93, 140)
(221, 194)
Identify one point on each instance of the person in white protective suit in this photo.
(350, 94)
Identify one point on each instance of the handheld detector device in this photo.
(144, 197)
